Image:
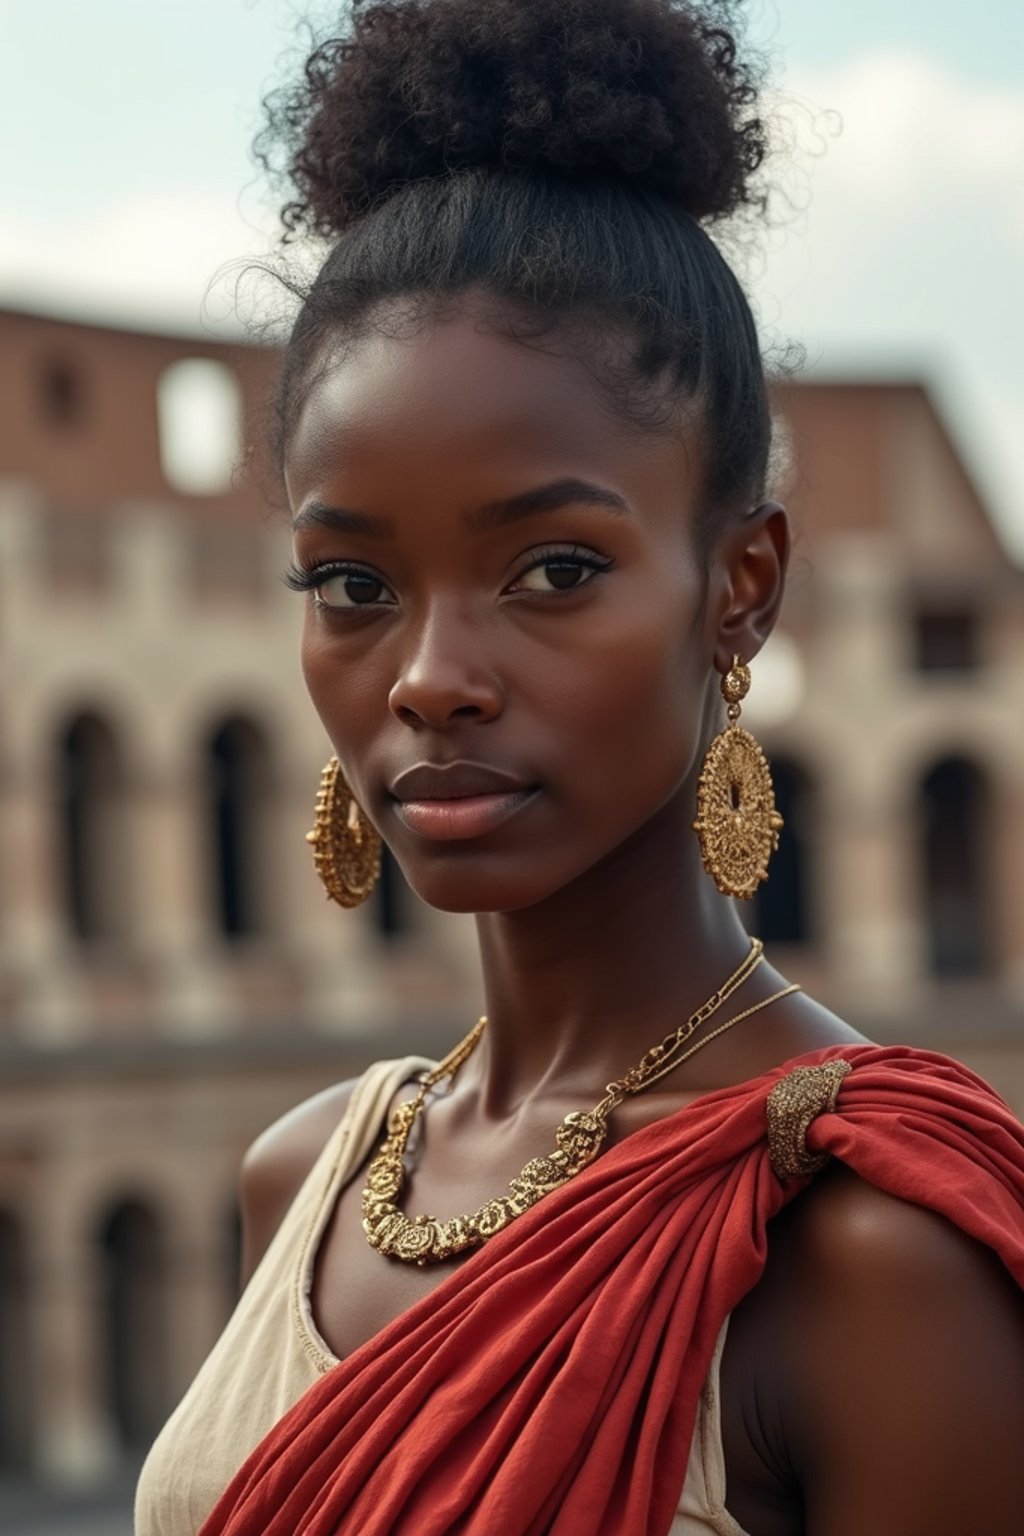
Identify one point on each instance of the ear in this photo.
(749, 566)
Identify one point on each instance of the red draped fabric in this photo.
(550, 1384)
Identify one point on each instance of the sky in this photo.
(128, 192)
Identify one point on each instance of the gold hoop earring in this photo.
(737, 823)
(346, 845)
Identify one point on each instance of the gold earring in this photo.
(737, 823)
(346, 845)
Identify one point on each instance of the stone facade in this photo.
(171, 978)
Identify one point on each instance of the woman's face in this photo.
(505, 637)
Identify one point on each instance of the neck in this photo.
(577, 987)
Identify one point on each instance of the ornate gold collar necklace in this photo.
(580, 1137)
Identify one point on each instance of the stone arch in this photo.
(240, 829)
(16, 1373)
(134, 1319)
(954, 796)
(93, 836)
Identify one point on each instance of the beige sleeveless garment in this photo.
(271, 1352)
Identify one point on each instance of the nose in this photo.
(445, 676)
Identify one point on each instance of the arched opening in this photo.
(781, 912)
(16, 1374)
(391, 899)
(954, 813)
(134, 1322)
(199, 410)
(239, 801)
(61, 392)
(91, 808)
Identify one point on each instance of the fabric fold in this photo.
(550, 1384)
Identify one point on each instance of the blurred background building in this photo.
(171, 978)
(170, 975)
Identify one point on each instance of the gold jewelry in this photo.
(737, 823)
(346, 845)
(578, 1140)
(796, 1100)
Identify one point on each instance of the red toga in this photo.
(550, 1384)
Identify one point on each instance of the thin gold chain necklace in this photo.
(578, 1140)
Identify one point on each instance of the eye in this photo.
(339, 587)
(352, 589)
(560, 570)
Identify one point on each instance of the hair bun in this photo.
(652, 91)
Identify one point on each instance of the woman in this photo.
(525, 436)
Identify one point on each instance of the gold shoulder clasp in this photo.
(796, 1100)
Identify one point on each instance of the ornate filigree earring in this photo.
(346, 845)
(737, 823)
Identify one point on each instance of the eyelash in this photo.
(298, 578)
(301, 579)
(565, 554)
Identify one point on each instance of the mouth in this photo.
(458, 801)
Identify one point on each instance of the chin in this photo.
(481, 889)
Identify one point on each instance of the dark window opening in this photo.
(16, 1374)
(947, 640)
(239, 771)
(390, 910)
(91, 795)
(955, 817)
(134, 1323)
(62, 395)
(781, 910)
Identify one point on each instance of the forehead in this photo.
(459, 399)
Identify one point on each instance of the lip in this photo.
(453, 802)
(455, 781)
(468, 816)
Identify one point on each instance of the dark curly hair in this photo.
(556, 156)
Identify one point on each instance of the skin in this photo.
(874, 1380)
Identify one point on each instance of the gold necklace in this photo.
(578, 1140)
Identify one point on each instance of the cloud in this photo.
(900, 249)
(168, 259)
(903, 246)
(913, 125)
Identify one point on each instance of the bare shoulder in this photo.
(899, 1350)
(277, 1163)
(850, 1243)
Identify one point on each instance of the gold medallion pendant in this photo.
(737, 823)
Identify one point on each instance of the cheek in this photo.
(316, 670)
(343, 693)
(628, 713)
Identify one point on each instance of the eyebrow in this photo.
(544, 498)
(342, 520)
(493, 514)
